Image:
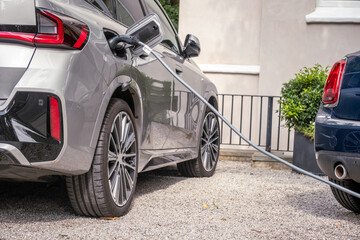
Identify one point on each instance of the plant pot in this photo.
(304, 154)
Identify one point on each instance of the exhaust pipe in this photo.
(340, 172)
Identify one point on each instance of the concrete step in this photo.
(257, 159)
(242, 155)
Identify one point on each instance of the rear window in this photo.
(123, 15)
(103, 5)
(125, 11)
(134, 8)
(351, 78)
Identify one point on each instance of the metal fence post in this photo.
(248, 126)
(269, 124)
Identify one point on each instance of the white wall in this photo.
(270, 34)
(229, 34)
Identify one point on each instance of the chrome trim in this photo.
(16, 153)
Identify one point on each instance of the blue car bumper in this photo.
(337, 141)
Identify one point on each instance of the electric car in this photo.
(337, 129)
(74, 105)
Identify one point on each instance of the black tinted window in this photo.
(169, 34)
(104, 5)
(123, 14)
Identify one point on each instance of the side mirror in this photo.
(191, 46)
(147, 30)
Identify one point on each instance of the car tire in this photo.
(346, 200)
(208, 154)
(108, 188)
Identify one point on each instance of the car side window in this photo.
(104, 5)
(134, 8)
(169, 34)
(123, 15)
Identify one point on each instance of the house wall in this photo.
(288, 43)
(229, 33)
(270, 34)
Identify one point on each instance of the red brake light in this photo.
(332, 85)
(54, 118)
(50, 28)
(53, 30)
(61, 30)
(82, 38)
(27, 37)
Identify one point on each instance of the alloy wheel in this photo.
(210, 141)
(122, 158)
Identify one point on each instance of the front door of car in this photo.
(185, 108)
(186, 111)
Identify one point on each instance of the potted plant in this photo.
(301, 98)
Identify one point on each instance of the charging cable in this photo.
(148, 50)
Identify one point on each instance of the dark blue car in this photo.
(337, 129)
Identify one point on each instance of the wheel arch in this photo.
(131, 96)
(193, 167)
(214, 102)
(211, 97)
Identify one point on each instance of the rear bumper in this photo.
(334, 134)
(74, 79)
(10, 155)
(14, 166)
(25, 139)
(327, 160)
(27, 150)
(24, 128)
(337, 141)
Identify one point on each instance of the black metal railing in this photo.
(258, 118)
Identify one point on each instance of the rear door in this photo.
(152, 79)
(158, 84)
(17, 23)
(185, 108)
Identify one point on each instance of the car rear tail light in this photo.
(53, 30)
(55, 121)
(332, 85)
(15, 36)
(58, 29)
(50, 28)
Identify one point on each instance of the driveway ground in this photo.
(238, 202)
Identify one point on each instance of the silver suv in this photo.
(72, 105)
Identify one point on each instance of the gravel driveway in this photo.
(238, 202)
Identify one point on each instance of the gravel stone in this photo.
(238, 202)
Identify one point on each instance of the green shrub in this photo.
(172, 9)
(301, 98)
